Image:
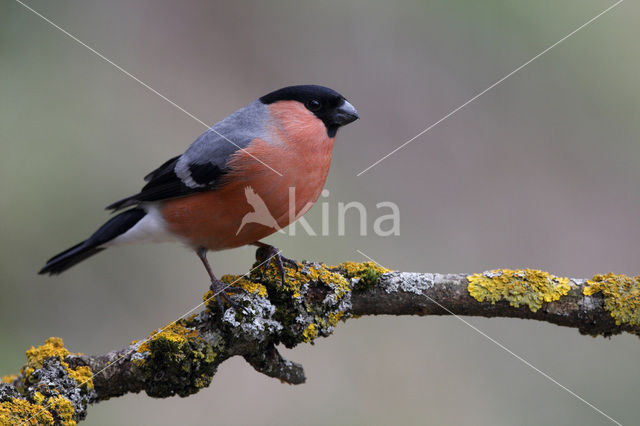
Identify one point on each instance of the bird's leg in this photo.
(219, 289)
(268, 253)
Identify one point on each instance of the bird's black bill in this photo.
(345, 114)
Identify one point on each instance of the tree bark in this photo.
(56, 386)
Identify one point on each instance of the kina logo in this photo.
(260, 214)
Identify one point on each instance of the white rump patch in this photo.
(152, 228)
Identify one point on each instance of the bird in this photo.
(278, 143)
(260, 213)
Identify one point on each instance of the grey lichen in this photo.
(49, 390)
(256, 320)
(408, 282)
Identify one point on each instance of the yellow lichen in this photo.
(324, 275)
(39, 410)
(246, 284)
(175, 360)
(54, 348)
(9, 378)
(310, 333)
(334, 317)
(355, 269)
(82, 375)
(363, 274)
(38, 397)
(519, 287)
(63, 408)
(621, 296)
(296, 279)
(19, 411)
(174, 333)
(237, 281)
(321, 325)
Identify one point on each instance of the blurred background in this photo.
(540, 172)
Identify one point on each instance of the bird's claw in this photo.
(290, 262)
(272, 254)
(220, 293)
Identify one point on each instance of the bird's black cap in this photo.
(327, 104)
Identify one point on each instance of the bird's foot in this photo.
(220, 293)
(268, 253)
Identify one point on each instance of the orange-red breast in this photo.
(232, 186)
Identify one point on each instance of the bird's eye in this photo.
(314, 105)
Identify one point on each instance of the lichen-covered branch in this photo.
(56, 385)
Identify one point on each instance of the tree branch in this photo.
(55, 386)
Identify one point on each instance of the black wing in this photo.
(164, 183)
(204, 163)
(166, 166)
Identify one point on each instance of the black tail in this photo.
(115, 226)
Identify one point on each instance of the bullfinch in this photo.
(232, 186)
